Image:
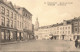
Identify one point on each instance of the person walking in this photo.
(76, 42)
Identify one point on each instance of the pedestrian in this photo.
(76, 42)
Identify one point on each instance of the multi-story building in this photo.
(13, 23)
(62, 31)
(76, 27)
(58, 31)
(27, 19)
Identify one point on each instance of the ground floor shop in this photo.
(76, 37)
(62, 37)
(9, 34)
(66, 37)
(56, 37)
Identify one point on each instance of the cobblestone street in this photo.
(40, 45)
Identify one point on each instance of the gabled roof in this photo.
(27, 10)
(8, 4)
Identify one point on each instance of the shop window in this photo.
(2, 34)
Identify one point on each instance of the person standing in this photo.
(76, 42)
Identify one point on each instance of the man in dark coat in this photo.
(76, 43)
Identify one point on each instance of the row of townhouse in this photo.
(15, 22)
(67, 30)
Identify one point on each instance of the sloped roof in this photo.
(8, 4)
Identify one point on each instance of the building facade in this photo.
(76, 27)
(67, 30)
(13, 24)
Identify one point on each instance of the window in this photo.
(57, 32)
(14, 24)
(68, 32)
(20, 24)
(11, 23)
(11, 14)
(76, 29)
(3, 21)
(7, 22)
(68, 27)
(2, 10)
(63, 28)
(7, 13)
(57, 28)
(63, 32)
(75, 23)
(15, 17)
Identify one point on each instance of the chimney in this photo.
(75, 17)
(64, 22)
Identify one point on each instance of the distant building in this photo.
(15, 23)
(67, 30)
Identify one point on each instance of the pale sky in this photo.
(49, 14)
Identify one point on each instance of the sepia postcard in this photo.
(39, 26)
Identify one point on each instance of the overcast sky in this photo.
(47, 13)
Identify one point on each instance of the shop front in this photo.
(76, 37)
(56, 37)
(6, 35)
(19, 35)
(63, 37)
